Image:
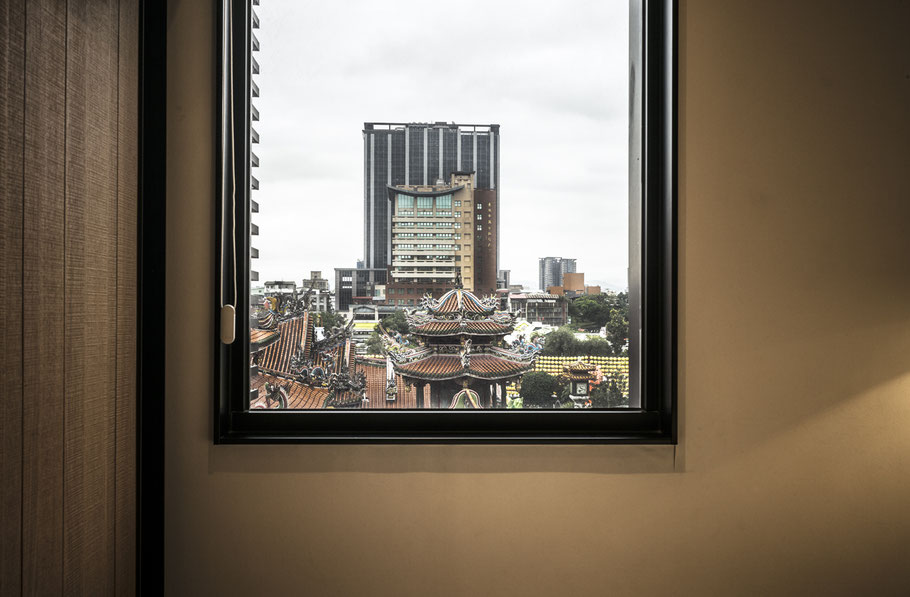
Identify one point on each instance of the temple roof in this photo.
(460, 301)
(299, 395)
(295, 335)
(260, 339)
(579, 371)
(452, 366)
(483, 327)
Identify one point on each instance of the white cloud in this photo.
(553, 75)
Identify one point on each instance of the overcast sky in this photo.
(552, 74)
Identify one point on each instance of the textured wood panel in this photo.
(91, 297)
(68, 288)
(127, 244)
(43, 307)
(12, 68)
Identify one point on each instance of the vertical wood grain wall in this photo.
(68, 225)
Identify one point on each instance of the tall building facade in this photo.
(423, 154)
(359, 285)
(552, 270)
(440, 231)
(254, 136)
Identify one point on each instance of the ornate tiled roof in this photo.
(375, 371)
(259, 339)
(459, 300)
(579, 371)
(295, 334)
(452, 366)
(299, 395)
(484, 327)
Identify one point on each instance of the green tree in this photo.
(561, 342)
(539, 390)
(618, 330)
(608, 394)
(396, 322)
(374, 344)
(590, 311)
(330, 319)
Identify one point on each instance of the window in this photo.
(252, 377)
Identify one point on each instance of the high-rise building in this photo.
(254, 136)
(439, 231)
(552, 270)
(358, 286)
(423, 154)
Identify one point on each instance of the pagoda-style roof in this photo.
(485, 327)
(489, 364)
(459, 301)
(579, 371)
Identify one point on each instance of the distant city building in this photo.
(254, 138)
(322, 301)
(438, 232)
(359, 285)
(503, 278)
(516, 288)
(592, 290)
(419, 154)
(315, 281)
(280, 287)
(552, 270)
(549, 309)
(573, 283)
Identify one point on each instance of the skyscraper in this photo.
(420, 154)
(552, 270)
(254, 137)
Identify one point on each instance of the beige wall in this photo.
(793, 474)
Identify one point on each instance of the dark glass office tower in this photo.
(420, 154)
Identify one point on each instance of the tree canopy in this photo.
(610, 310)
(608, 394)
(330, 319)
(396, 322)
(563, 342)
(538, 389)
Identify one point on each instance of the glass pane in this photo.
(360, 297)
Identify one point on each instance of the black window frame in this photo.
(653, 179)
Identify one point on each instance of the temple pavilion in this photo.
(459, 359)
